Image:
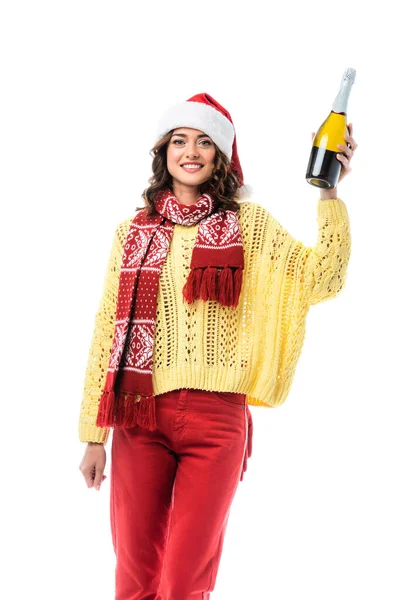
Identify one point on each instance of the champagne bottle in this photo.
(323, 166)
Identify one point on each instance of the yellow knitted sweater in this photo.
(252, 349)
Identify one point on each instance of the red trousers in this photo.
(171, 493)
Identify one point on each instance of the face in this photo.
(190, 146)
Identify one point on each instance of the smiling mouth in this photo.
(191, 169)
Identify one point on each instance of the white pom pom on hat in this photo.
(203, 112)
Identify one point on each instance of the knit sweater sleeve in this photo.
(100, 347)
(323, 268)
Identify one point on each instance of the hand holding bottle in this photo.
(348, 152)
(325, 165)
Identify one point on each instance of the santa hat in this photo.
(203, 112)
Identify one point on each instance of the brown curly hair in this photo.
(223, 184)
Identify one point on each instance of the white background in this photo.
(83, 84)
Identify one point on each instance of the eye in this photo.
(201, 141)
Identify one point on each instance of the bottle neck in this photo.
(340, 103)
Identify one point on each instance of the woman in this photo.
(203, 314)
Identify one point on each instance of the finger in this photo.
(343, 160)
(347, 151)
(88, 475)
(352, 143)
(350, 128)
(89, 481)
(98, 478)
(349, 138)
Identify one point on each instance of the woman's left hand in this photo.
(348, 152)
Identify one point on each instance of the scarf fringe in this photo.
(126, 410)
(208, 287)
(211, 284)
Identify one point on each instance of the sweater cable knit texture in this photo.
(252, 349)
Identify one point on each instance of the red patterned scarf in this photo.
(216, 274)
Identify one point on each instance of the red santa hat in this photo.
(203, 112)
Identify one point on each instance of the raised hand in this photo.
(348, 151)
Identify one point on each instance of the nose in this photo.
(191, 150)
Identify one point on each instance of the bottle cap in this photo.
(349, 76)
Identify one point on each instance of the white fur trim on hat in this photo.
(198, 115)
(245, 193)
